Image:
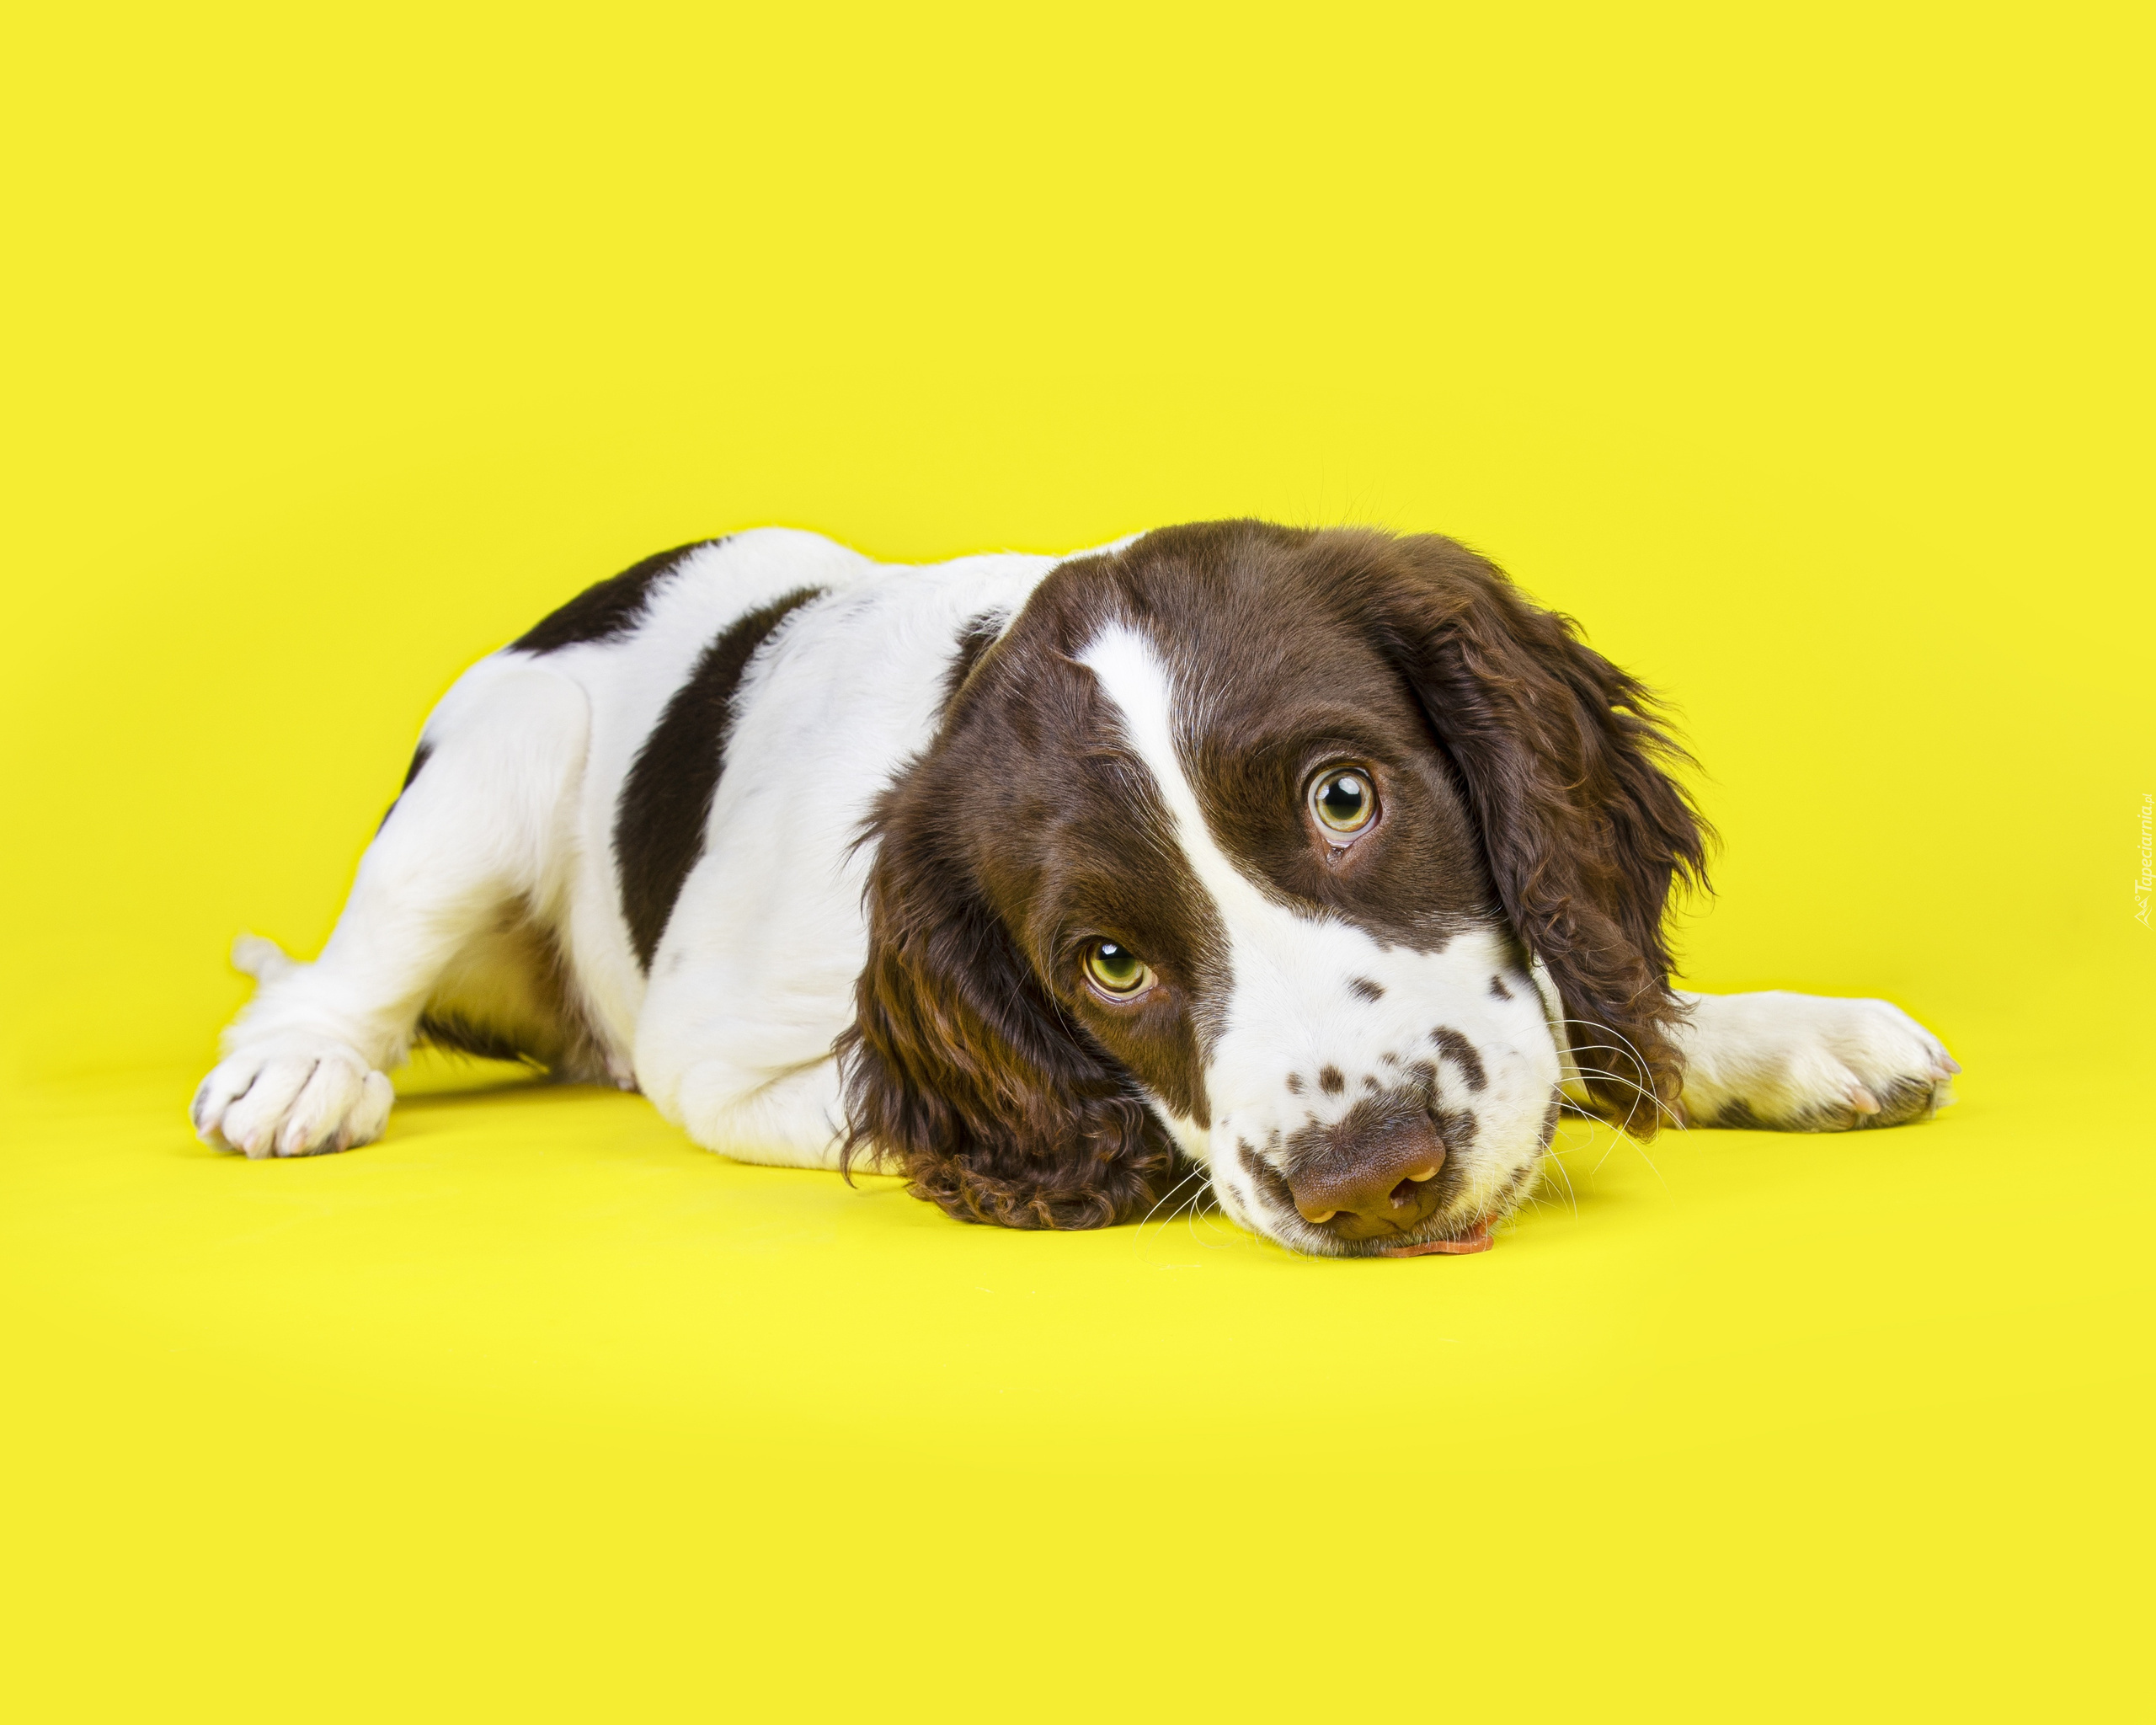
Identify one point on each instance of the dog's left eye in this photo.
(1344, 800)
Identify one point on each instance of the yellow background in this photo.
(1802, 352)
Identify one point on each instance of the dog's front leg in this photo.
(477, 827)
(1808, 1063)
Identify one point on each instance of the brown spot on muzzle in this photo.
(1460, 1051)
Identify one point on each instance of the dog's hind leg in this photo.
(482, 832)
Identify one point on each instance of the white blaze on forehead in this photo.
(1285, 967)
(1140, 689)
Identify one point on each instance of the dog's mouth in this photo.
(1440, 1236)
(1476, 1239)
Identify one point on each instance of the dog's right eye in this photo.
(1344, 801)
(1116, 972)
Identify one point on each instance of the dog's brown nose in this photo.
(1380, 1180)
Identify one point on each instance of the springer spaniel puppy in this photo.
(1321, 866)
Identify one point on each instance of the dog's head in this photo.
(1237, 848)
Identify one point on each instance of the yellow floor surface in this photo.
(533, 1409)
(1801, 352)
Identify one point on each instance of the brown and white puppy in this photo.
(1322, 864)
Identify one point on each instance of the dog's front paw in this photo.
(1808, 1063)
(297, 1096)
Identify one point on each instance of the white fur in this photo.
(511, 821)
(755, 977)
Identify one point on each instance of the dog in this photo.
(1320, 868)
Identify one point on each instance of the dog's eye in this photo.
(1116, 971)
(1344, 800)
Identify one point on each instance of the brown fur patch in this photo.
(1462, 1053)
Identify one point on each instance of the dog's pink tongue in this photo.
(1479, 1241)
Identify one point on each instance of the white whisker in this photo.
(1675, 1119)
(1626, 1137)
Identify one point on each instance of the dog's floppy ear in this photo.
(962, 1070)
(1563, 759)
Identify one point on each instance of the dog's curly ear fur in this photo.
(962, 1071)
(1564, 758)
